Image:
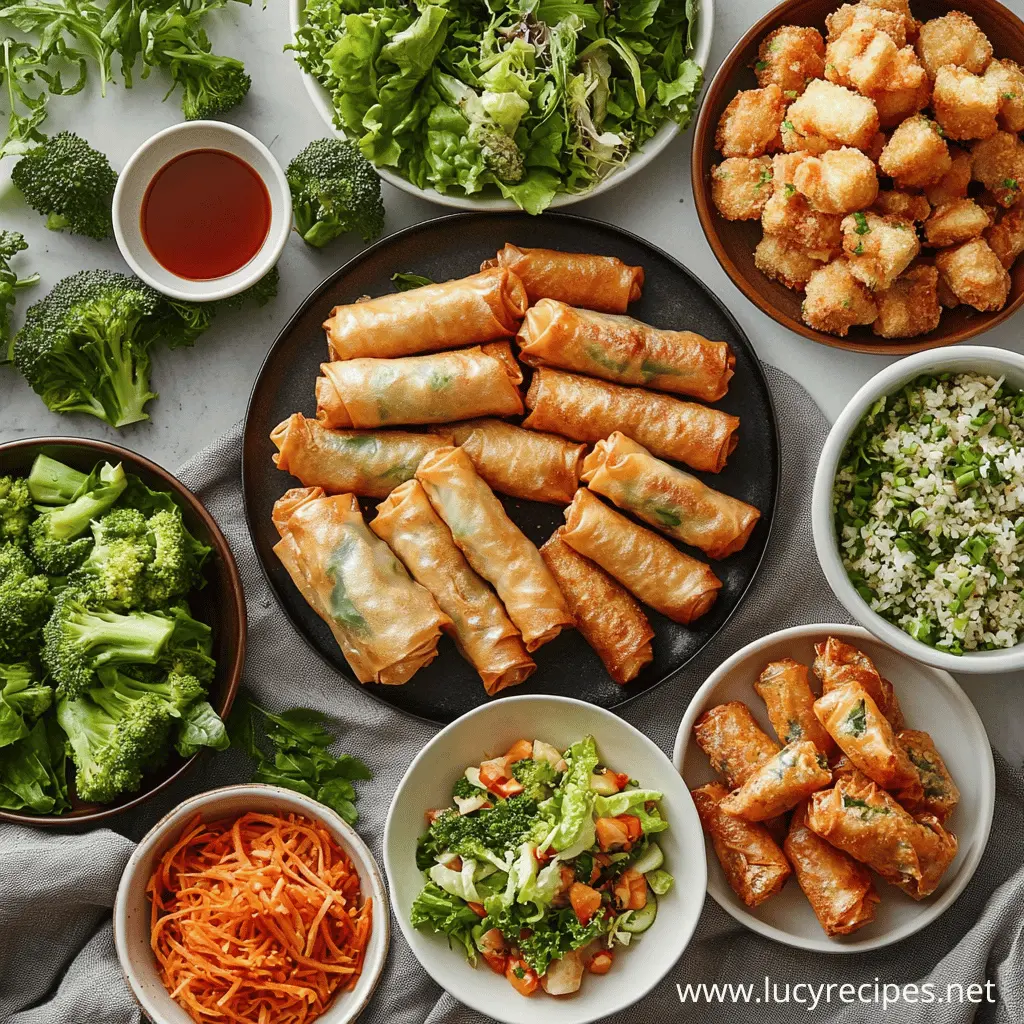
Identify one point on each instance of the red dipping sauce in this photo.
(205, 214)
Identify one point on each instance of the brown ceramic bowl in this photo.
(733, 242)
(221, 604)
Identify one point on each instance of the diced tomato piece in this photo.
(507, 788)
(496, 961)
(600, 963)
(521, 750)
(633, 827)
(477, 908)
(631, 890)
(586, 902)
(492, 772)
(522, 977)
(612, 834)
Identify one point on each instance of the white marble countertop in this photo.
(203, 391)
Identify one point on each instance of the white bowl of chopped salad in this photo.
(918, 508)
(534, 105)
(536, 845)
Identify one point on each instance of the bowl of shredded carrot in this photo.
(251, 904)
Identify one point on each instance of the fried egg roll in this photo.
(674, 502)
(648, 566)
(787, 694)
(754, 866)
(838, 662)
(939, 793)
(580, 279)
(780, 783)
(482, 631)
(838, 888)
(366, 462)
(860, 818)
(605, 613)
(589, 410)
(494, 546)
(521, 463)
(862, 732)
(624, 350)
(734, 743)
(466, 311)
(438, 388)
(354, 582)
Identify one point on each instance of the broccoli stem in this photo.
(138, 637)
(72, 520)
(52, 483)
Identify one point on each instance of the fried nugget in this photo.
(976, 276)
(953, 184)
(790, 57)
(878, 248)
(916, 153)
(838, 181)
(740, 186)
(785, 262)
(892, 17)
(788, 214)
(794, 142)
(955, 221)
(946, 295)
(836, 113)
(865, 59)
(1006, 236)
(910, 305)
(998, 163)
(896, 105)
(906, 205)
(965, 105)
(749, 125)
(835, 301)
(953, 39)
(1008, 79)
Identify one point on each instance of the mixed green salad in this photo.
(527, 97)
(543, 865)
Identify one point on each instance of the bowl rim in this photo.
(986, 797)
(882, 383)
(635, 162)
(703, 137)
(355, 844)
(697, 873)
(125, 222)
(224, 553)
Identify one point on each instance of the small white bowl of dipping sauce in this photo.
(202, 211)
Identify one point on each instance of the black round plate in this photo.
(451, 247)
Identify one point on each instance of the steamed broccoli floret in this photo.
(52, 483)
(334, 190)
(178, 692)
(15, 510)
(464, 789)
(177, 559)
(117, 563)
(502, 156)
(70, 183)
(25, 603)
(22, 700)
(211, 85)
(537, 778)
(11, 243)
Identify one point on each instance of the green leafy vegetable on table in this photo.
(11, 243)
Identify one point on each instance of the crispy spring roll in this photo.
(467, 311)
(860, 818)
(439, 388)
(677, 504)
(580, 279)
(648, 566)
(780, 783)
(734, 743)
(521, 463)
(494, 546)
(787, 694)
(754, 866)
(366, 462)
(839, 890)
(482, 631)
(625, 351)
(862, 732)
(353, 581)
(939, 793)
(605, 613)
(838, 662)
(589, 410)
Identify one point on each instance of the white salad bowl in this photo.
(932, 702)
(963, 358)
(636, 161)
(489, 731)
(132, 906)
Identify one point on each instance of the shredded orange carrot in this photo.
(257, 920)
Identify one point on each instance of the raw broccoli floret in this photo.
(537, 778)
(15, 510)
(502, 156)
(334, 190)
(22, 700)
(25, 603)
(86, 346)
(70, 183)
(52, 483)
(177, 560)
(117, 563)
(11, 243)
(465, 789)
(211, 85)
(260, 293)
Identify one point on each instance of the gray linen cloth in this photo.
(57, 960)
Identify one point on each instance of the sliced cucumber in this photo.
(650, 859)
(640, 920)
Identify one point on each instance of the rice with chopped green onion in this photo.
(929, 511)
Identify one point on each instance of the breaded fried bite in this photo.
(835, 301)
(878, 248)
(910, 306)
(953, 39)
(916, 153)
(955, 221)
(1008, 79)
(794, 142)
(973, 271)
(998, 163)
(838, 182)
(740, 186)
(946, 295)
(889, 16)
(906, 205)
(836, 113)
(1006, 236)
(895, 105)
(749, 125)
(965, 105)
(788, 214)
(790, 57)
(784, 262)
(953, 184)
(865, 59)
